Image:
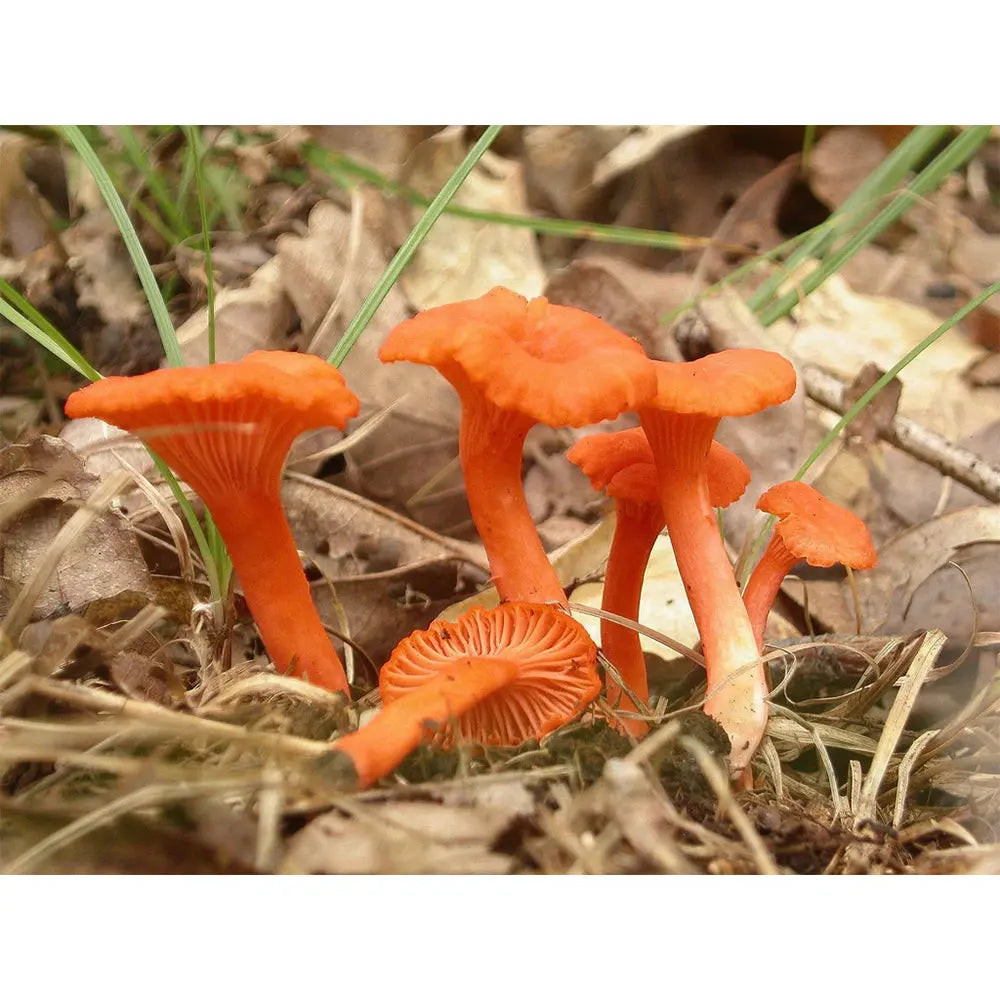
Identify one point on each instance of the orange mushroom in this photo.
(226, 430)
(622, 463)
(498, 677)
(809, 527)
(513, 364)
(680, 422)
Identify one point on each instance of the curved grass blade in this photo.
(884, 179)
(30, 321)
(403, 256)
(168, 336)
(956, 154)
(342, 168)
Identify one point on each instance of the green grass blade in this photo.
(168, 336)
(194, 146)
(154, 182)
(30, 321)
(343, 171)
(403, 256)
(953, 157)
(885, 178)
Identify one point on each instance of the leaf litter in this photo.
(127, 747)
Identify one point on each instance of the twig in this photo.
(932, 449)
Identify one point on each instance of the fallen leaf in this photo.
(402, 838)
(640, 145)
(843, 331)
(630, 298)
(909, 560)
(663, 605)
(44, 481)
(841, 160)
(257, 317)
(880, 412)
(418, 440)
(25, 218)
(389, 575)
(560, 161)
(463, 259)
(384, 147)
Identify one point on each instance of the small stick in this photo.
(932, 449)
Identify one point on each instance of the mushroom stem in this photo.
(491, 445)
(378, 747)
(765, 582)
(266, 560)
(737, 686)
(635, 533)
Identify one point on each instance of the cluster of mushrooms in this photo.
(516, 672)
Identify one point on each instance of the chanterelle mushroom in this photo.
(809, 527)
(622, 464)
(680, 423)
(516, 363)
(226, 430)
(498, 677)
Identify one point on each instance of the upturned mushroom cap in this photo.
(557, 669)
(730, 383)
(816, 529)
(223, 426)
(555, 364)
(604, 457)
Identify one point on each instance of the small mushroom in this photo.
(622, 464)
(226, 430)
(680, 422)
(497, 677)
(513, 364)
(809, 527)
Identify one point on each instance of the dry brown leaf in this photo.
(841, 160)
(843, 331)
(389, 575)
(641, 144)
(107, 448)
(402, 838)
(976, 255)
(462, 259)
(880, 412)
(384, 147)
(632, 299)
(105, 560)
(105, 278)
(663, 605)
(560, 161)
(257, 317)
(418, 442)
(25, 224)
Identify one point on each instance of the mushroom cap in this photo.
(816, 529)
(557, 365)
(603, 457)
(638, 484)
(557, 674)
(223, 426)
(730, 383)
(301, 388)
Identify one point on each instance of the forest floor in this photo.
(142, 728)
